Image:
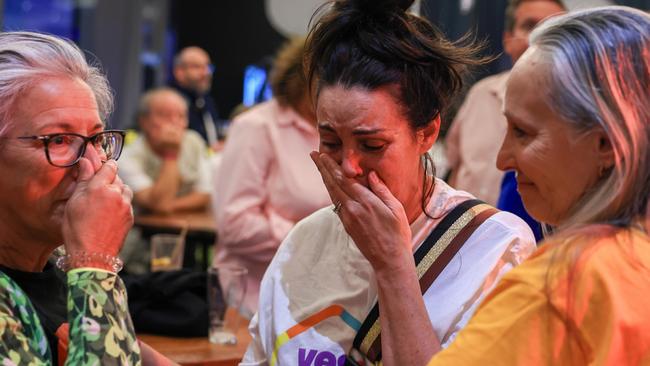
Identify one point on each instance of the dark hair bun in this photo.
(376, 43)
(376, 6)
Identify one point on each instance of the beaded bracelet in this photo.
(85, 259)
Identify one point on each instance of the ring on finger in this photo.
(337, 207)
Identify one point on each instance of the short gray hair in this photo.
(599, 77)
(27, 57)
(144, 104)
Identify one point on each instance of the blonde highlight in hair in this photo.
(599, 80)
(288, 81)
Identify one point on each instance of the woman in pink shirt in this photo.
(267, 181)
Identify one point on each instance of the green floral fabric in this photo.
(22, 341)
(101, 331)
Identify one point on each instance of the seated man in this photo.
(167, 167)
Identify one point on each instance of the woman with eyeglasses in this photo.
(59, 186)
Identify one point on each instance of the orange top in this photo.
(583, 301)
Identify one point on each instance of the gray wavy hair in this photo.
(27, 57)
(599, 78)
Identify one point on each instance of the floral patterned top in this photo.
(101, 331)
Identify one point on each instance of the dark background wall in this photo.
(235, 34)
(484, 19)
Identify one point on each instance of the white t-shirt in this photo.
(139, 166)
(319, 274)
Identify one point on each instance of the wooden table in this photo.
(199, 351)
(200, 226)
(198, 222)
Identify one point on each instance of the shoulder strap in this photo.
(431, 258)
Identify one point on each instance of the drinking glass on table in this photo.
(226, 291)
(167, 252)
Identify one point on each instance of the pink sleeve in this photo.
(246, 225)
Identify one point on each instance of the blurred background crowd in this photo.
(136, 40)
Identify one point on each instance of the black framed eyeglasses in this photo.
(65, 149)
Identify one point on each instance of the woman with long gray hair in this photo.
(578, 110)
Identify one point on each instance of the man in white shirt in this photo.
(167, 166)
